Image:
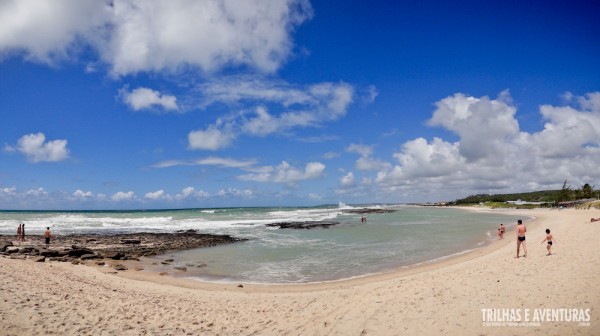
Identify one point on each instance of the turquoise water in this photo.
(408, 236)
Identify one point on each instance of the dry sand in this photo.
(444, 298)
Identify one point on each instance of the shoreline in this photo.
(445, 297)
(142, 259)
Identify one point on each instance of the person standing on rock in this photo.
(47, 235)
(23, 232)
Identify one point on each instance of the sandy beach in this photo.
(485, 292)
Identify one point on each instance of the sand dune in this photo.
(445, 298)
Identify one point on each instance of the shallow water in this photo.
(386, 241)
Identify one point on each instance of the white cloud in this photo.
(243, 193)
(9, 190)
(82, 195)
(483, 125)
(366, 162)
(36, 149)
(49, 31)
(292, 106)
(123, 196)
(331, 155)
(492, 155)
(144, 98)
(264, 124)
(134, 36)
(370, 94)
(209, 161)
(156, 195)
(212, 138)
(285, 173)
(36, 192)
(347, 180)
(363, 150)
(190, 192)
(235, 89)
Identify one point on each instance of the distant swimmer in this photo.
(521, 229)
(363, 219)
(549, 239)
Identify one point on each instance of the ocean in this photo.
(408, 236)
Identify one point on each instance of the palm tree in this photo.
(587, 191)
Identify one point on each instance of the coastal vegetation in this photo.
(585, 197)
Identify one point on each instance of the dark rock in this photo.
(114, 255)
(369, 211)
(63, 253)
(39, 259)
(304, 225)
(163, 273)
(28, 250)
(241, 286)
(49, 253)
(120, 267)
(181, 268)
(4, 245)
(89, 256)
(100, 263)
(113, 246)
(79, 252)
(12, 249)
(131, 241)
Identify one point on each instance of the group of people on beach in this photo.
(21, 234)
(520, 231)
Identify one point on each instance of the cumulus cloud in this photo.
(493, 155)
(483, 125)
(285, 173)
(144, 98)
(36, 149)
(156, 195)
(134, 36)
(234, 192)
(49, 31)
(123, 196)
(366, 161)
(347, 180)
(190, 192)
(82, 195)
(212, 138)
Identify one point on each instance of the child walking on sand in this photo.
(549, 239)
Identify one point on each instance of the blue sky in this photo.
(156, 104)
